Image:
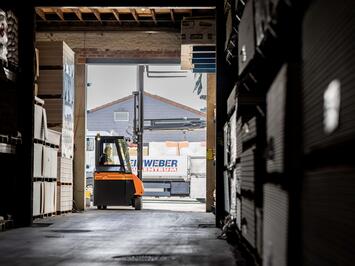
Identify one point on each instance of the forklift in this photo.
(114, 182)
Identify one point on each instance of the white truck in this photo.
(164, 174)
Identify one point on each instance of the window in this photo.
(121, 116)
(110, 154)
(90, 144)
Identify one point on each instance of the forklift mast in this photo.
(138, 120)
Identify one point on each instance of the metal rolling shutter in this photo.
(248, 170)
(275, 229)
(276, 105)
(328, 228)
(249, 221)
(249, 130)
(239, 138)
(329, 61)
(226, 133)
(226, 191)
(246, 44)
(233, 138)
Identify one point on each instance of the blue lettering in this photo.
(174, 163)
(161, 163)
(168, 163)
(156, 163)
(148, 163)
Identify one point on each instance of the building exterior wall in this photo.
(118, 44)
(103, 120)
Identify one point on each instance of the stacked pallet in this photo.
(198, 37)
(56, 86)
(12, 34)
(65, 185)
(295, 102)
(8, 72)
(328, 187)
(276, 194)
(45, 146)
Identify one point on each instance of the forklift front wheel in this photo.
(99, 207)
(138, 205)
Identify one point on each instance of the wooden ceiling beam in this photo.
(152, 12)
(78, 14)
(41, 14)
(135, 15)
(97, 14)
(172, 15)
(117, 15)
(59, 13)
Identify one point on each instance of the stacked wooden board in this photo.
(56, 86)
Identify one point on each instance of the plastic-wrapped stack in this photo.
(3, 36)
(12, 36)
(45, 146)
(56, 86)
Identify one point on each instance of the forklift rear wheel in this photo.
(138, 203)
(104, 207)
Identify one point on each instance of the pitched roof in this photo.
(159, 98)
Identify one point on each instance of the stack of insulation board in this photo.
(65, 184)
(56, 85)
(46, 145)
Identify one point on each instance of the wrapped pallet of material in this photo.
(12, 35)
(64, 198)
(40, 122)
(192, 148)
(56, 85)
(37, 160)
(38, 207)
(163, 148)
(55, 118)
(197, 165)
(49, 197)
(65, 170)
(50, 162)
(56, 61)
(53, 137)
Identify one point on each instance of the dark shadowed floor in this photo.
(161, 234)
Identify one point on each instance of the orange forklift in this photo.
(114, 182)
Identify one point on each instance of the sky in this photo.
(108, 83)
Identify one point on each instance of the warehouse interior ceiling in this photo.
(115, 18)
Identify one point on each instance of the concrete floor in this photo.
(161, 234)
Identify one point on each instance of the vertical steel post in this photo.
(135, 119)
(140, 86)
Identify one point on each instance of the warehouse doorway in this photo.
(174, 129)
(91, 31)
